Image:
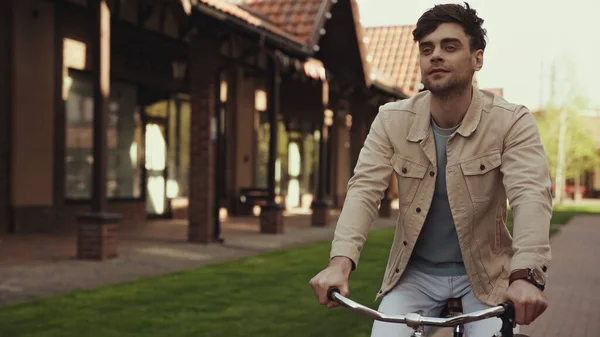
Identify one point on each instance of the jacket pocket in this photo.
(410, 175)
(482, 175)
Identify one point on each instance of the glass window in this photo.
(124, 174)
(262, 128)
(262, 150)
(79, 108)
(263, 136)
(179, 147)
(124, 139)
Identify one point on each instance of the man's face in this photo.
(447, 63)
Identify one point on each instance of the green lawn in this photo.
(266, 295)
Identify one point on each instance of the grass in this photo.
(266, 295)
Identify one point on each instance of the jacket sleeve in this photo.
(365, 191)
(527, 182)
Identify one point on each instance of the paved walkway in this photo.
(35, 266)
(573, 284)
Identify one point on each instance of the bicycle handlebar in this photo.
(505, 311)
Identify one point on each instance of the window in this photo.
(124, 138)
(262, 143)
(179, 147)
(262, 128)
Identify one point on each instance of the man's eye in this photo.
(451, 48)
(426, 50)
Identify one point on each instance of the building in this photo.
(167, 106)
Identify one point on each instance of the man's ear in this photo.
(478, 60)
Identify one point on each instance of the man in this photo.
(459, 153)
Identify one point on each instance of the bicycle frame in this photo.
(417, 322)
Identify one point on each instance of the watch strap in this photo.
(525, 274)
(519, 274)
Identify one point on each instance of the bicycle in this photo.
(417, 322)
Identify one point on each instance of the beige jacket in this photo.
(496, 154)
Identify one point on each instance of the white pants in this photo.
(428, 293)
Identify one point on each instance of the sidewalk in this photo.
(37, 266)
(573, 284)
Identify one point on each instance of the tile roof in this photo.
(394, 54)
(250, 18)
(305, 19)
(299, 18)
(302, 22)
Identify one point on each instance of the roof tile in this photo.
(251, 18)
(294, 16)
(394, 54)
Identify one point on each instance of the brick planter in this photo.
(271, 219)
(97, 237)
(320, 213)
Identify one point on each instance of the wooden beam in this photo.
(101, 61)
(273, 110)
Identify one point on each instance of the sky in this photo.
(524, 38)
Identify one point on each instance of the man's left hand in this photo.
(530, 302)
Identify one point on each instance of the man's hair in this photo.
(452, 13)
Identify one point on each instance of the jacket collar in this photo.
(421, 126)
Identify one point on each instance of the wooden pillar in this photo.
(271, 216)
(97, 237)
(101, 94)
(320, 206)
(340, 140)
(6, 15)
(203, 67)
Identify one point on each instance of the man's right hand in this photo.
(334, 276)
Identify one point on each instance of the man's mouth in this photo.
(437, 71)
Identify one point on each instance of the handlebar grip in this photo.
(508, 319)
(330, 293)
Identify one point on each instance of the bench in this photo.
(248, 197)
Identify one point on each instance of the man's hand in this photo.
(529, 301)
(334, 276)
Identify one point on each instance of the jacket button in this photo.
(404, 242)
(397, 270)
(431, 173)
(418, 209)
(404, 170)
(482, 167)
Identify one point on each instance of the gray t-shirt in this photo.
(437, 250)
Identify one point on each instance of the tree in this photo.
(568, 136)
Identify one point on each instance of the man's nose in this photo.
(436, 55)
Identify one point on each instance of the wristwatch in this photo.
(531, 275)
